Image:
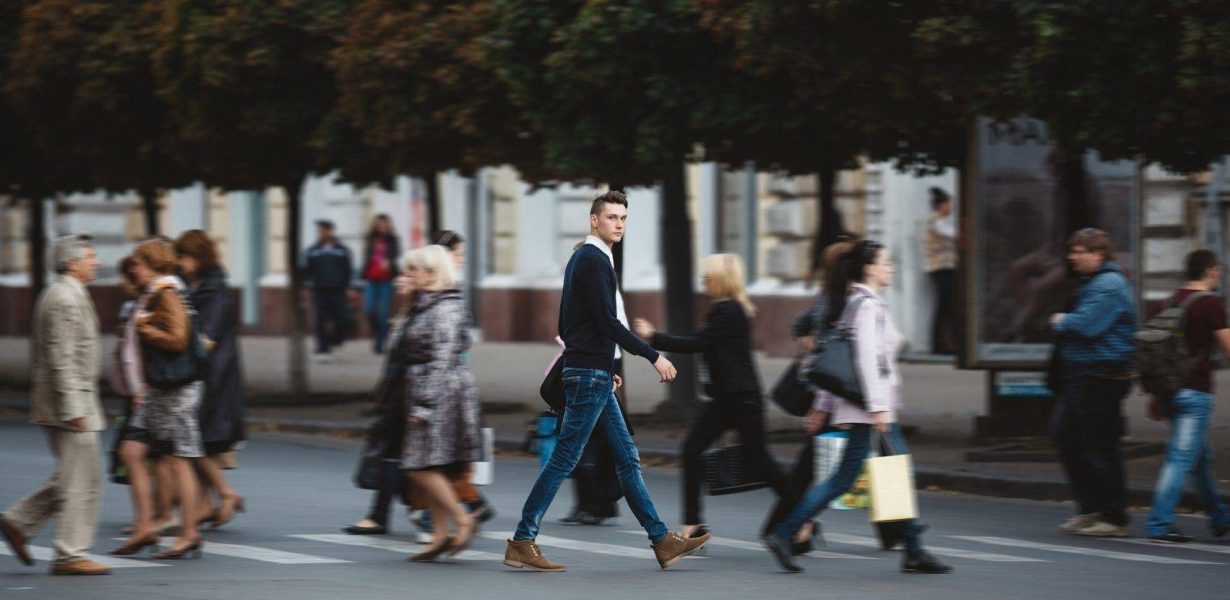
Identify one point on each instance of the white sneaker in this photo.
(1104, 529)
(423, 537)
(1078, 523)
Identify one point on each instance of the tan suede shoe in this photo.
(526, 554)
(81, 567)
(674, 547)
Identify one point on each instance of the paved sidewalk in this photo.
(941, 403)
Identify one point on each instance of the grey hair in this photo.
(67, 249)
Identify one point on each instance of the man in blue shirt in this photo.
(593, 326)
(1096, 349)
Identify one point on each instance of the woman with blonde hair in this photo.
(159, 331)
(443, 433)
(726, 344)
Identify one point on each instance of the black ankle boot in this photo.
(780, 549)
(921, 561)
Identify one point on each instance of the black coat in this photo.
(726, 342)
(222, 406)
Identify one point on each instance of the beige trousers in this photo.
(74, 492)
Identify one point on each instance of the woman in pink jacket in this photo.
(854, 290)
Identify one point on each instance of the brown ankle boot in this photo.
(81, 567)
(526, 554)
(674, 547)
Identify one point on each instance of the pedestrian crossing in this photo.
(322, 549)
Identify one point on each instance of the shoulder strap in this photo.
(851, 309)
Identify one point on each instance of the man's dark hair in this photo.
(608, 198)
(448, 238)
(939, 198)
(1199, 262)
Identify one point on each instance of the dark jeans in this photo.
(744, 414)
(943, 326)
(594, 480)
(590, 402)
(858, 446)
(382, 499)
(376, 303)
(332, 313)
(1086, 425)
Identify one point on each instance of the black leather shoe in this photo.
(780, 549)
(573, 519)
(1174, 536)
(921, 561)
(481, 511)
(589, 518)
(356, 530)
(1220, 530)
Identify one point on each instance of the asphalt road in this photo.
(288, 545)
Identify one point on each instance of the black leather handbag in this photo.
(552, 388)
(165, 369)
(727, 471)
(369, 475)
(793, 394)
(833, 365)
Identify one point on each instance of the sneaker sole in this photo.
(1104, 535)
(670, 563)
(521, 565)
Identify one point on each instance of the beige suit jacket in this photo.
(65, 357)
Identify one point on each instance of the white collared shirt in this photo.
(619, 297)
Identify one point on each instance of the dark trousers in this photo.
(394, 480)
(595, 481)
(1086, 425)
(943, 326)
(744, 414)
(332, 313)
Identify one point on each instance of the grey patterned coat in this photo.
(440, 389)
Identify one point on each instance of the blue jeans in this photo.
(1187, 453)
(376, 302)
(590, 402)
(858, 446)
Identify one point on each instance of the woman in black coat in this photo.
(221, 411)
(733, 383)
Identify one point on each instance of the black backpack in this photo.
(1162, 358)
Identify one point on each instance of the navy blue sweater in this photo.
(587, 318)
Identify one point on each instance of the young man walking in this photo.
(592, 324)
(64, 401)
(1096, 345)
(1190, 410)
(329, 271)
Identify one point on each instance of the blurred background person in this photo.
(940, 254)
(163, 328)
(223, 401)
(64, 401)
(443, 435)
(329, 272)
(380, 253)
(390, 399)
(732, 383)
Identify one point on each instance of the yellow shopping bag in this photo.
(891, 483)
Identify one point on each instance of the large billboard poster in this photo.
(1023, 200)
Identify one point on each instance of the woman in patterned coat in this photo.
(443, 434)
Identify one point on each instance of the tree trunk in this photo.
(149, 209)
(829, 225)
(433, 203)
(38, 252)
(297, 355)
(676, 239)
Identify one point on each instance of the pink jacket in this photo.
(878, 342)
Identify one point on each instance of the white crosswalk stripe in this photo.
(398, 546)
(1188, 546)
(268, 555)
(746, 545)
(859, 540)
(594, 547)
(1014, 543)
(44, 553)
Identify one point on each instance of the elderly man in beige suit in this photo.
(64, 401)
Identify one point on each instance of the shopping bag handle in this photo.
(888, 447)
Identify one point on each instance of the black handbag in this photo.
(793, 394)
(165, 369)
(552, 388)
(370, 473)
(833, 366)
(727, 471)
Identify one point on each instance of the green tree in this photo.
(249, 89)
(419, 95)
(82, 79)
